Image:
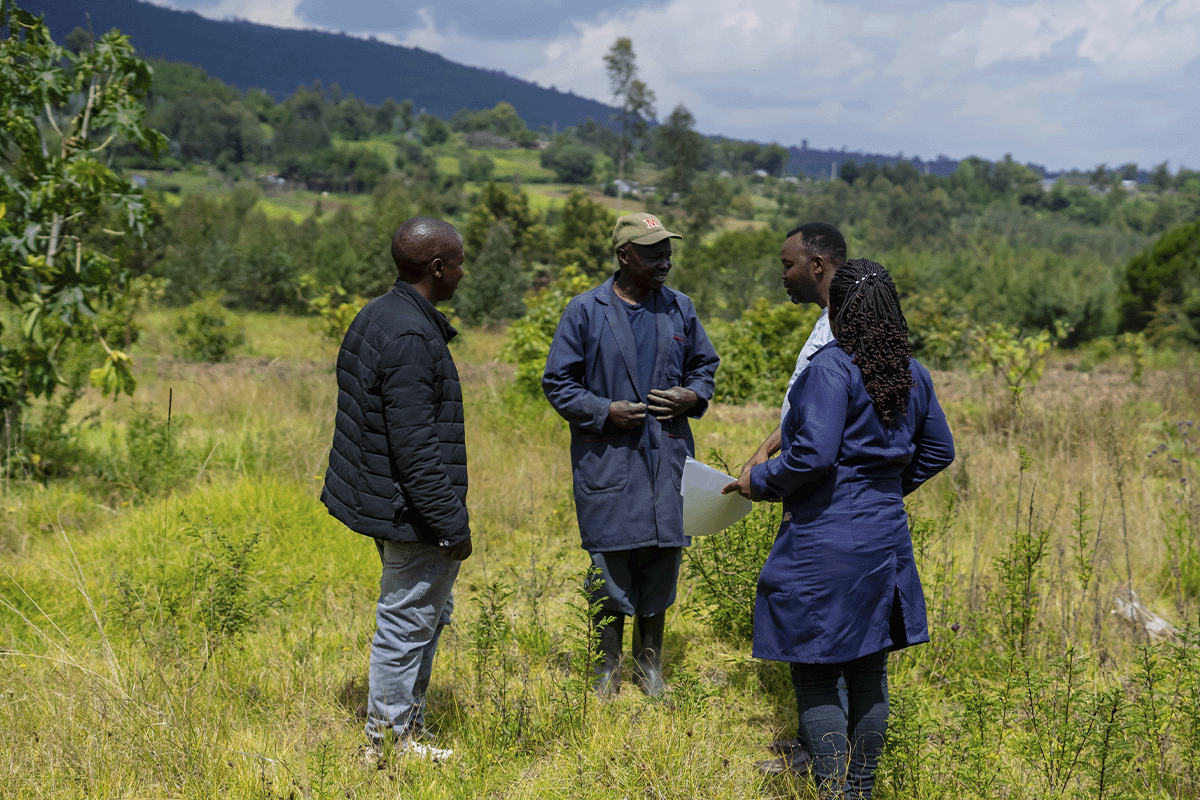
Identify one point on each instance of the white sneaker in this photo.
(426, 751)
(373, 756)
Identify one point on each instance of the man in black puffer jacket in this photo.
(398, 472)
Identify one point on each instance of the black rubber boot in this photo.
(608, 666)
(647, 653)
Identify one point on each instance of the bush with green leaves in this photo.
(147, 457)
(724, 276)
(204, 602)
(758, 351)
(335, 309)
(63, 209)
(571, 160)
(584, 236)
(937, 330)
(1162, 288)
(1005, 353)
(207, 331)
(496, 203)
(527, 342)
(478, 169)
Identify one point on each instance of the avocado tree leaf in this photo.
(60, 115)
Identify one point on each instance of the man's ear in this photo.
(623, 255)
(819, 266)
(436, 267)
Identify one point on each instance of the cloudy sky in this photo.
(1062, 83)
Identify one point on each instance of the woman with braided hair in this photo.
(840, 588)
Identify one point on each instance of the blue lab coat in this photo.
(841, 581)
(627, 482)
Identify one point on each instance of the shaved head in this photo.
(419, 242)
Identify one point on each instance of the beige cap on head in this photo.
(640, 229)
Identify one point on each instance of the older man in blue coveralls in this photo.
(629, 364)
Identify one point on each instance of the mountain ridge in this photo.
(250, 55)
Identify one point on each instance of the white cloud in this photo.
(280, 13)
(1061, 82)
(1042, 80)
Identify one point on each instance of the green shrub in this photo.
(1005, 353)
(1161, 287)
(209, 600)
(758, 351)
(335, 309)
(478, 169)
(206, 331)
(724, 568)
(527, 342)
(937, 330)
(571, 161)
(147, 457)
(497, 285)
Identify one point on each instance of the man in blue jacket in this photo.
(629, 363)
(398, 472)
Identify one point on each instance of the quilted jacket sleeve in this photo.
(411, 413)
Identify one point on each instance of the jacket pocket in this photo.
(678, 428)
(676, 356)
(601, 464)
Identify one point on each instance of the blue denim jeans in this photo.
(845, 741)
(414, 605)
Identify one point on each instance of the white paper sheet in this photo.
(705, 510)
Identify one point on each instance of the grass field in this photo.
(508, 164)
(181, 618)
(184, 181)
(517, 164)
(382, 146)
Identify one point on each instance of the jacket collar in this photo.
(405, 290)
(666, 297)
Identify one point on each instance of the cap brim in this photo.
(655, 237)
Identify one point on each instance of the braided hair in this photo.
(871, 328)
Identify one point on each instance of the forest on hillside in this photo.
(246, 202)
(991, 243)
(277, 60)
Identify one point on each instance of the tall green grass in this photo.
(181, 618)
